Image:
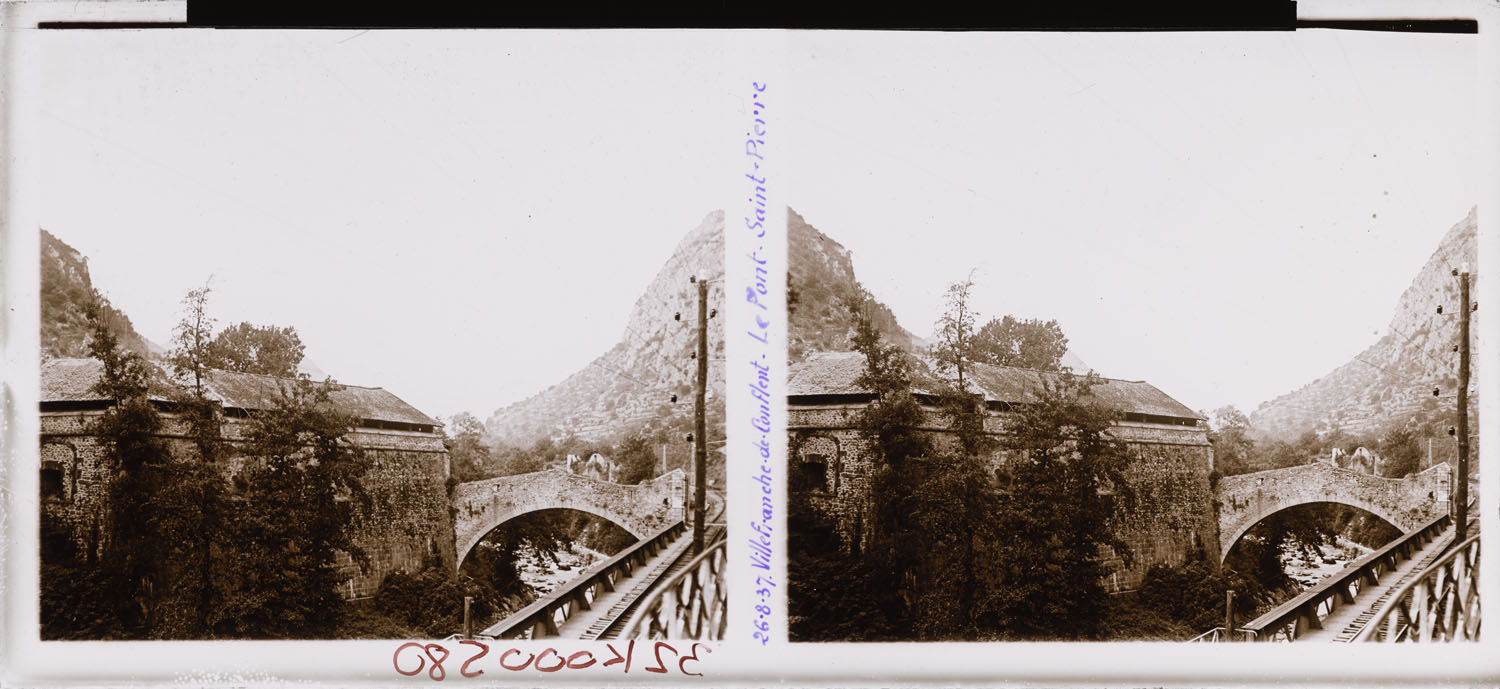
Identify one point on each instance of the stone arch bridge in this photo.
(642, 509)
(1244, 500)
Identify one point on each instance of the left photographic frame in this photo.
(369, 336)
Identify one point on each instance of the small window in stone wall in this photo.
(818, 465)
(811, 475)
(52, 481)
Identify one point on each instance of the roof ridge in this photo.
(929, 357)
(165, 369)
(276, 377)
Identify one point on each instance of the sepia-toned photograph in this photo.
(1134, 337)
(393, 335)
(1016, 355)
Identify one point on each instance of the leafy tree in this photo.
(264, 349)
(1401, 451)
(98, 591)
(153, 571)
(933, 506)
(1229, 433)
(956, 338)
(1065, 481)
(948, 556)
(466, 448)
(130, 431)
(192, 496)
(1259, 553)
(891, 421)
(1031, 343)
(862, 593)
(431, 603)
(510, 460)
(637, 458)
(304, 473)
(949, 537)
(191, 337)
(1193, 594)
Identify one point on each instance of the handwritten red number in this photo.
(529, 657)
(660, 666)
(437, 673)
(572, 665)
(483, 650)
(629, 651)
(396, 659)
(554, 668)
(682, 664)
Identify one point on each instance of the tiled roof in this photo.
(70, 380)
(834, 373)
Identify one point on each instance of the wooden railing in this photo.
(1288, 621)
(693, 604)
(1439, 604)
(541, 619)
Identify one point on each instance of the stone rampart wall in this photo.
(408, 522)
(1171, 520)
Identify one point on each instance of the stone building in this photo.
(1171, 458)
(407, 523)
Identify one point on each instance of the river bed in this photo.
(543, 576)
(1330, 559)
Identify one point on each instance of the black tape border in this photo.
(933, 15)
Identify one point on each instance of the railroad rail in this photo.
(691, 604)
(1290, 620)
(1441, 603)
(542, 618)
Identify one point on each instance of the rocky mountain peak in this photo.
(629, 387)
(1391, 382)
(66, 294)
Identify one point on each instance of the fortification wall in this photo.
(408, 521)
(1171, 520)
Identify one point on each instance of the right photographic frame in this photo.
(1131, 337)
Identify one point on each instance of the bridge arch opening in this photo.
(534, 532)
(1300, 533)
(641, 509)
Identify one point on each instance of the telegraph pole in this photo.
(1461, 490)
(1229, 615)
(700, 422)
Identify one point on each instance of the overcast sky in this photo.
(1228, 216)
(466, 218)
(462, 218)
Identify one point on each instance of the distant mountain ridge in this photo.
(67, 291)
(821, 286)
(1392, 380)
(629, 387)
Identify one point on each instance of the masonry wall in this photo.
(407, 524)
(409, 521)
(1173, 516)
(1171, 521)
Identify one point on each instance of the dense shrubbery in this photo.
(185, 554)
(947, 555)
(1193, 594)
(835, 597)
(75, 601)
(431, 602)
